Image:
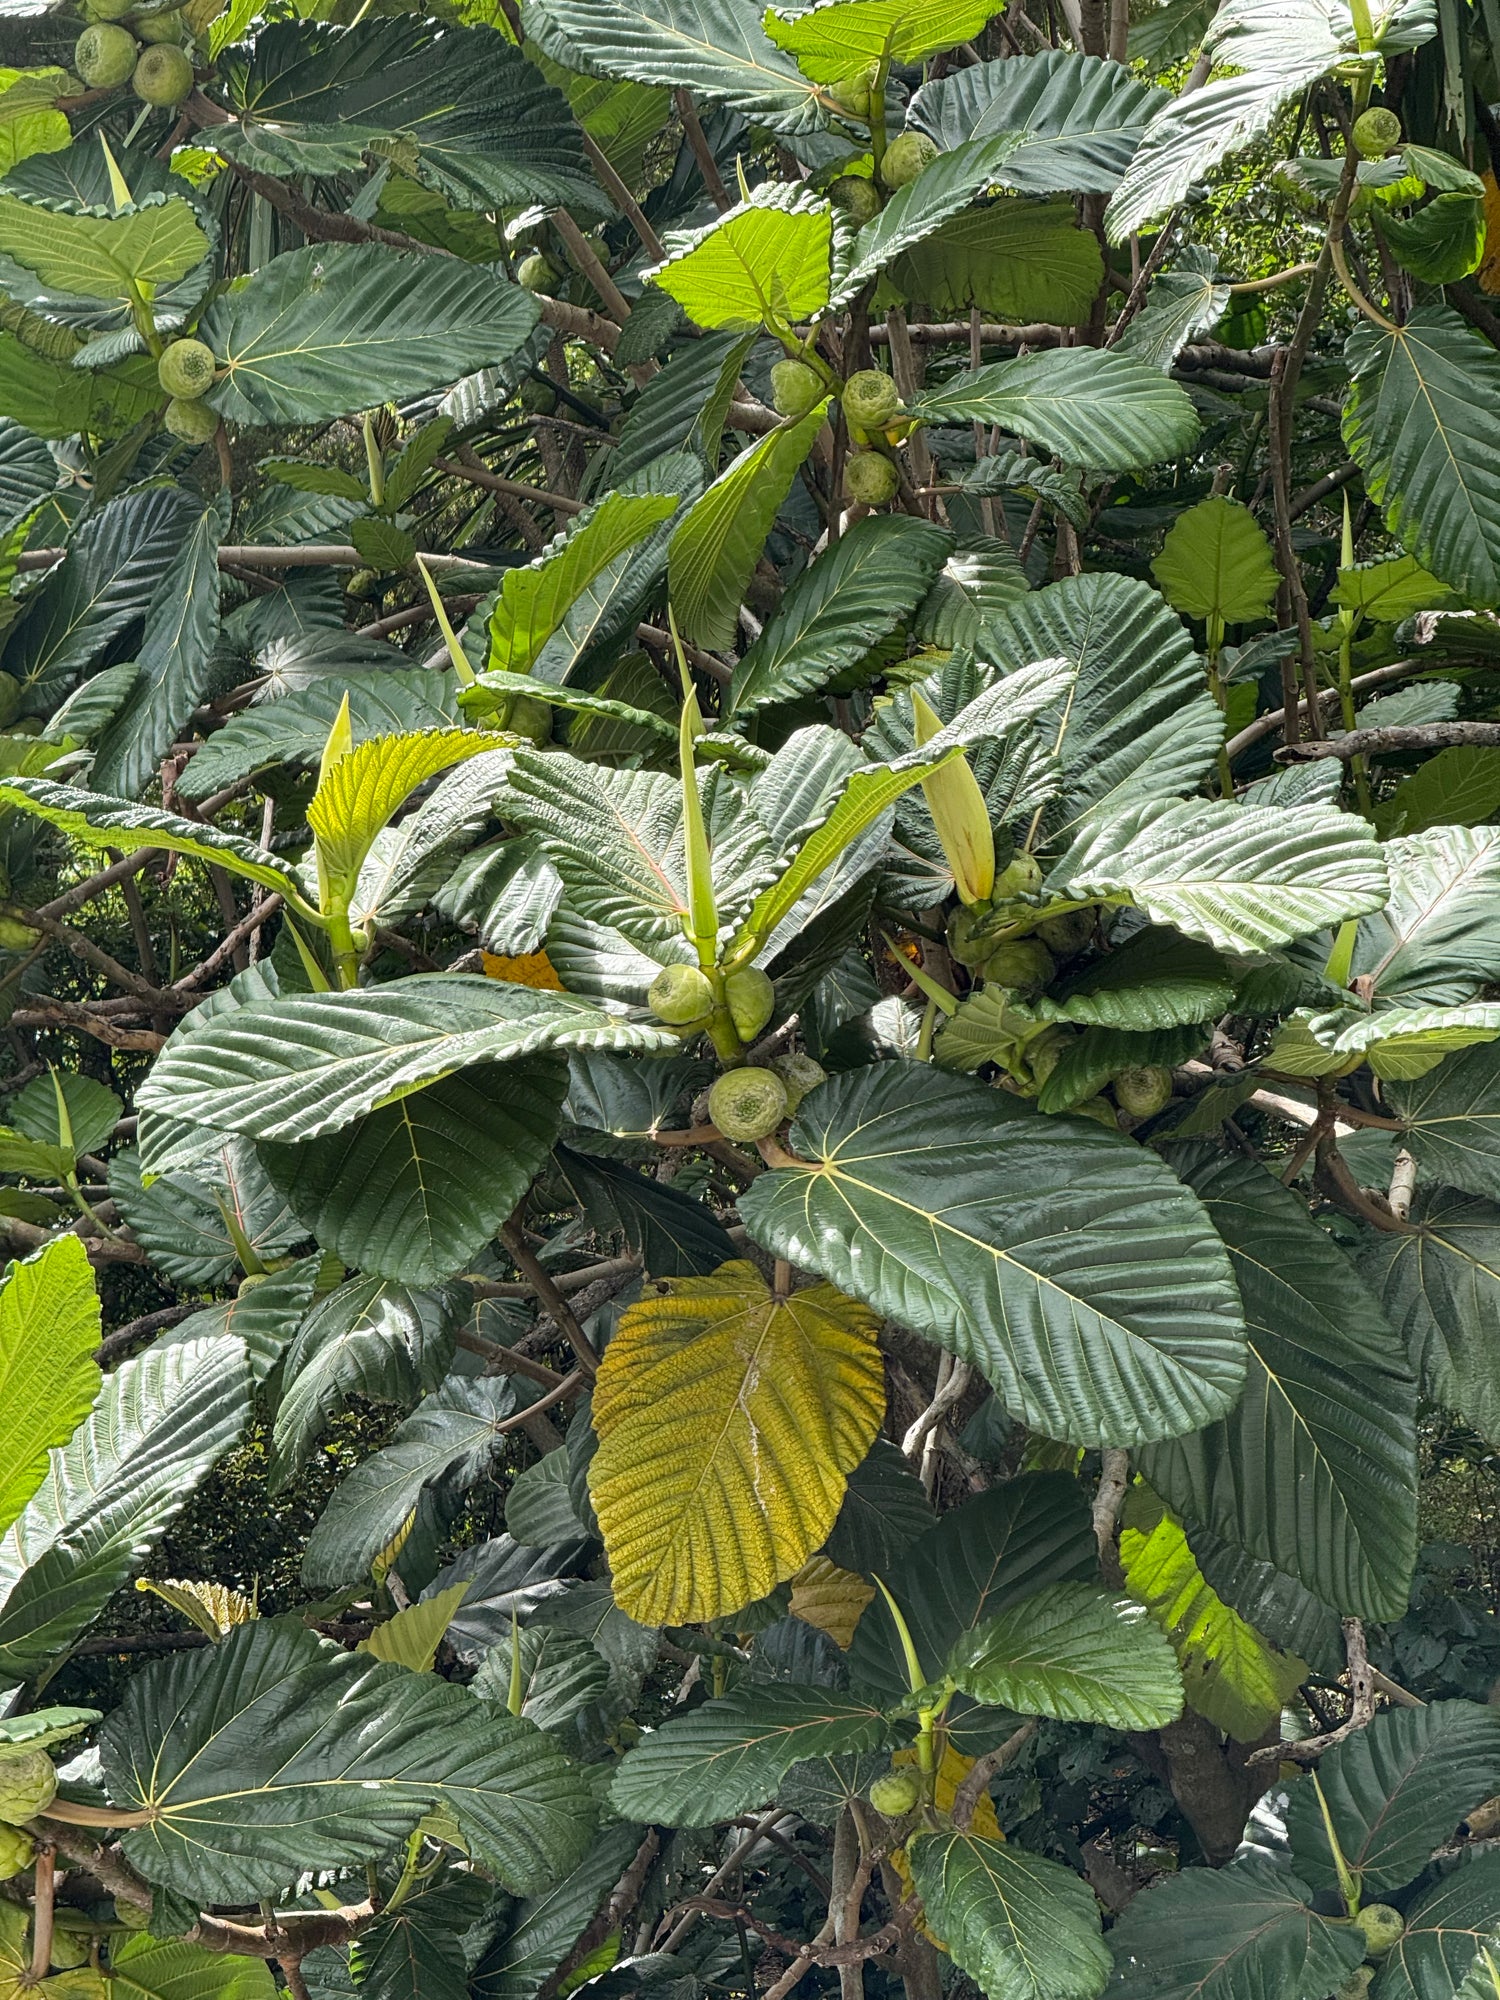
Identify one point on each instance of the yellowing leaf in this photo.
(29, 119)
(728, 1421)
(1489, 265)
(953, 1768)
(412, 1637)
(49, 1328)
(831, 1598)
(767, 259)
(213, 1607)
(533, 969)
(360, 792)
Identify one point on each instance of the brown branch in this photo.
(45, 1011)
(1301, 503)
(42, 1916)
(541, 1283)
(1361, 1708)
(220, 956)
(480, 475)
(1268, 724)
(708, 166)
(136, 1329)
(976, 1779)
(622, 198)
(1109, 1498)
(1393, 736)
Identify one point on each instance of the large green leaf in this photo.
(1019, 260)
(1071, 1652)
(56, 400)
(1240, 879)
(939, 1202)
(28, 473)
(276, 1751)
(534, 600)
(1229, 1672)
(335, 327)
(1452, 1117)
(728, 1755)
(1156, 979)
(1444, 1927)
(149, 1968)
(173, 663)
(161, 1421)
(913, 212)
(193, 1222)
(1022, 1927)
(885, 1510)
(836, 39)
(1423, 423)
(766, 259)
(1182, 304)
(872, 578)
(104, 256)
(1216, 563)
(416, 1189)
(1437, 941)
(685, 404)
(360, 792)
(1140, 723)
(1080, 118)
(544, 1929)
(294, 729)
(715, 48)
(1245, 1932)
(1315, 1470)
(1440, 1284)
(718, 543)
(1395, 1791)
(1090, 407)
(422, 1949)
(49, 1328)
(313, 1062)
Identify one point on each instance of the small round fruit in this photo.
(1068, 933)
(104, 56)
(192, 421)
(17, 1851)
(536, 272)
(968, 941)
(163, 76)
(107, 10)
(1376, 131)
(795, 388)
(1024, 963)
(908, 154)
(895, 1793)
(1382, 1927)
(1143, 1089)
(1357, 1985)
(537, 398)
(70, 1949)
(28, 1785)
(1021, 876)
(747, 1103)
(168, 27)
(869, 479)
(131, 1915)
(857, 197)
(679, 995)
(16, 936)
(800, 1074)
(751, 998)
(186, 369)
(853, 94)
(870, 399)
(1099, 1109)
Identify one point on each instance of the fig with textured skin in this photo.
(131, 1915)
(168, 27)
(28, 1785)
(186, 369)
(104, 55)
(856, 197)
(17, 1851)
(869, 479)
(800, 1074)
(1066, 933)
(752, 998)
(1024, 963)
(1143, 1089)
(680, 995)
(870, 399)
(106, 10)
(853, 93)
(968, 941)
(190, 420)
(163, 76)
(747, 1103)
(895, 1793)
(536, 272)
(1021, 876)
(1357, 1985)
(1382, 1927)
(1376, 131)
(70, 1949)
(537, 399)
(908, 154)
(795, 388)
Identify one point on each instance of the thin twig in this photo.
(977, 1778)
(1393, 736)
(561, 1312)
(1361, 1708)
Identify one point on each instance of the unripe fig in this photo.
(107, 10)
(70, 1949)
(853, 94)
(17, 1851)
(968, 941)
(800, 1074)
(166, 27)
(186, 369)
(857, 197)
(747, 1103)
(537, 273)
(895, 1793)
(1066, 933)
(679, 995)
(163, 76)
(1099, 1109)
(1024, 963)
(190, 420)
(870, 399)
(16, 936)
(751, 998)
(1021, 876)
(1357, 1985)
(1376, 131)
(131, 1915)
(869, 479)
(1382, 1927)
(104, 55)
(795, 388)
(908, 154)
(1143, 1089)
(28, 1785)
(537, 398)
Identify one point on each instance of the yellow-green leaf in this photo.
(831, 1598)
(361, 791)
(213, 1607)
(29, 119)
(767, 259)
(1216, 563)
(104, 256)
(728, 1420)
(841, 38)
(413, 1636)
(49, 1328)
(533, 601)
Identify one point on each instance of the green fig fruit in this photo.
(28, 1785)
(680, 995)
(1143, 1089)
(895, 1793)
(104, 56)
(192, 421)
(800, 1074)
(752, 999)
(167, 27)
(852, 94)
(70, 1949)
(1382, 1927)
(869, 479)
(795, 388)
(1024, 963)
(908, 154)
(1021, 876)
(17, 1851)
(870, 399)
(537, 273)
(1067, 932)
(1376, 132)
(857, 197)
(163, 76)
(747, 1103)
(969, 942)
(186, 369)
(16, 936)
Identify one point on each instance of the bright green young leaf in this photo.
(766, 261)
(149, 1968)
(1216, 564)
(363, 789)
(1091, 408)
(1388, 591)
(534, 600)
(104, 257)
(411, 1638)
(49, 1328)
(1022, 1927)
(835, 39)
(1071, 1652)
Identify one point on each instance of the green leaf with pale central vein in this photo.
(308, 1064)
(1072, 1652)
(916, 210)
(1014, 259)
(364, 789)
(534, 600)
(835, 39)
(768, 258)
(1216, 563)
(1022, 1927)
(728, 1755)
(960, 1214)
(148, 1968)
(1440, 1285)
(100, 256)
(49, 1328)
(276, 1751)
(1453, 1120)
(1089, 406)
(1437, 941)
